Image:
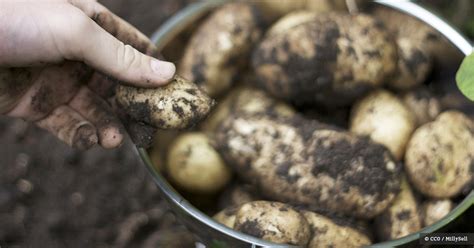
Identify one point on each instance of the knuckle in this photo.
(128, 57)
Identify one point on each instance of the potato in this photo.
(414, 64)
(440, 155)
(385, 119)
(305, 162)
(325, 232)
(220, 47)
(177, 105)
(245, 100)
(435, 210)
(227, 216)
(237, 195)
(423, 104)
(272, 221)
(159, 150)
(330, 59)
(195, 165)
(401, 218)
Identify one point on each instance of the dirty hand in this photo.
(48, 50)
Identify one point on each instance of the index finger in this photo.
(115, 25)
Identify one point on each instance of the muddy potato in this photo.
(194, 164)
(401, 218)
(220, 47)
(440, 156)
(330, 59)
(435, 210)
(414, 65)
(227, 216)
(177, 105)
(423, 104)
(308, 163)
(272, 221)
(385, 119)
(246, 100)
(325, 232)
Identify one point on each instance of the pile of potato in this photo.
(325, 132)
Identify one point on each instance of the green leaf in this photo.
(465, 77)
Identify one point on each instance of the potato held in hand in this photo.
(440, 155)
(328, 59)
(179, 104)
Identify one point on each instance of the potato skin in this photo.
(227, 216)
(440, 157)
(195, 165)
(435, 210)
(401, 218)
(177, 105)
(414, 64)
(220, 46)
(331, 59)
(423, 104)
(385, 119)
(327, 233)
(237, 195)
(272, 221)
(304, 162)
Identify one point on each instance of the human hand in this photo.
(49, 50)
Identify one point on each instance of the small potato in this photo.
(401, 218)
(220, 47)
(273, 221)
(385, 119)
(195, 165)
(329, 59)
(177, 105)
(435, 210)
(308, 163)
(245, 100)
(440, 155)
(227, 216)
(414, 64)
(423, 104)
(327, 233)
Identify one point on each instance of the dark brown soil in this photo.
(54, 196)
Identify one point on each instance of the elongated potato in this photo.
(325, 232)
(220, 47)
(401, 218)
(305, 162)
(385, 119)
(423, 104)
(177, 105)
(435, 210)
(330, 59)
(440, 155)
(272, 221)
(195, 165)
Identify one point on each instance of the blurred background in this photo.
(53, 196)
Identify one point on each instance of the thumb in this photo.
(104, 52)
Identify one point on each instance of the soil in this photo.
(55, 196)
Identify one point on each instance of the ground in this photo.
(54, 196)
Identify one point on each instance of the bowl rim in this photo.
(191, 13)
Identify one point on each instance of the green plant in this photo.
(465, 77)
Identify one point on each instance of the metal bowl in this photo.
(213, 234)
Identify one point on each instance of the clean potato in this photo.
(305, 162)
(194, 164)
(272, 221)
(401, 218)
(328, 59)
(325, 232)
(385, 119)
(423, 104)
(440, 155)
(177, 105)
(435, 210)
(220, 46)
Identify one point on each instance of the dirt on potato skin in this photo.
(54, 196)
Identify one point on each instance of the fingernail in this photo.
(164, 70)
